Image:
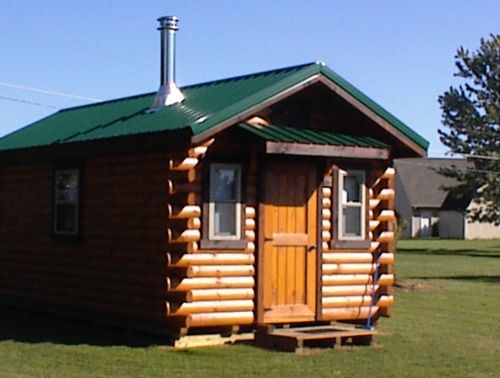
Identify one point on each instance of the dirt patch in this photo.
(416, 286)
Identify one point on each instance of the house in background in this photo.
(252, 201)
(427, 209)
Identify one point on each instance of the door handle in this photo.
(311, 247)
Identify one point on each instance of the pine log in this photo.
(326, 236)
(349, 313)
(219, 294)
(187, 211)
(386, 194)
(348, 268)
(373, 203)
(346, 279)
(346, 301)
(195, 152)
(387, 258)
(249, 212)
(374, 245)
(250, 224)
(220, 270)
(389, 173)
(331, 291)
(386, 237)
(209, 259)
(250, 235)
(182, 165)
(347, 257)
(386, 216)
(219, 319)
(250, 248)
(326, 203)
(326, 214)
(326, 192)
(385, 301)
(209, 307)
(386, 280)
(325, 246)
(185, 236)
(373, 224)
(186, 284)
(326, 225)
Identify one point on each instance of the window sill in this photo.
(222, 244)
(351, 244)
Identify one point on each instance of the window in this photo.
(351, 209)
(224, 222)
(66, 201)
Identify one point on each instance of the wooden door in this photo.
(289, 256)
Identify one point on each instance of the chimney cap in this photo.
(168, 22)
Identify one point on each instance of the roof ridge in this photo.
(246, 76)
(211, 82)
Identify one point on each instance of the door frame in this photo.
(263, 165)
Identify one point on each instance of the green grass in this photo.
(446, 322)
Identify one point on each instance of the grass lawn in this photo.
(446, 322)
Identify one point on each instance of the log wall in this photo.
(116, 267)
(356, 283)
(206, 287)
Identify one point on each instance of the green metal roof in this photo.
(288, 134)
(205, 106)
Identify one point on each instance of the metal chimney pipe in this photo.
(168, 93)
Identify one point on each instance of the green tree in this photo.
(471, 126)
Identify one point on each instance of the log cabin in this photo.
(264, 199)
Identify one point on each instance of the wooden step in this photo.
(295, 339)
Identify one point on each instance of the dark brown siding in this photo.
(118, 265)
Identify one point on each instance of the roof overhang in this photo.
(313, 79)
(303, 149)
(286, 140)
(373, 116)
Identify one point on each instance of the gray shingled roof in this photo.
(421, 181)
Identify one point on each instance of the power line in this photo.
(27, 102)
(45, 91)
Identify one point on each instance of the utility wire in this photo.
(27, 102)
(44, 91)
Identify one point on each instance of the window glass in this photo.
(225, 184)
(225, 219)
(66, 199)
(351, 205)
(351, 188)
(225, 198)
(352, 221)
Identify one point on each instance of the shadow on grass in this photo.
(486, 279)
(450, 252)
(32, 328)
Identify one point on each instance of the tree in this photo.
(471, 120)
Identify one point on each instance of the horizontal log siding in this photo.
(117, 268)
(347, 286)
(219, 291)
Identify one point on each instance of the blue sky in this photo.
(400, 53)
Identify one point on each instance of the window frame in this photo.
(340, 241)
(55, 231)
(209, 239)
(361, 175)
